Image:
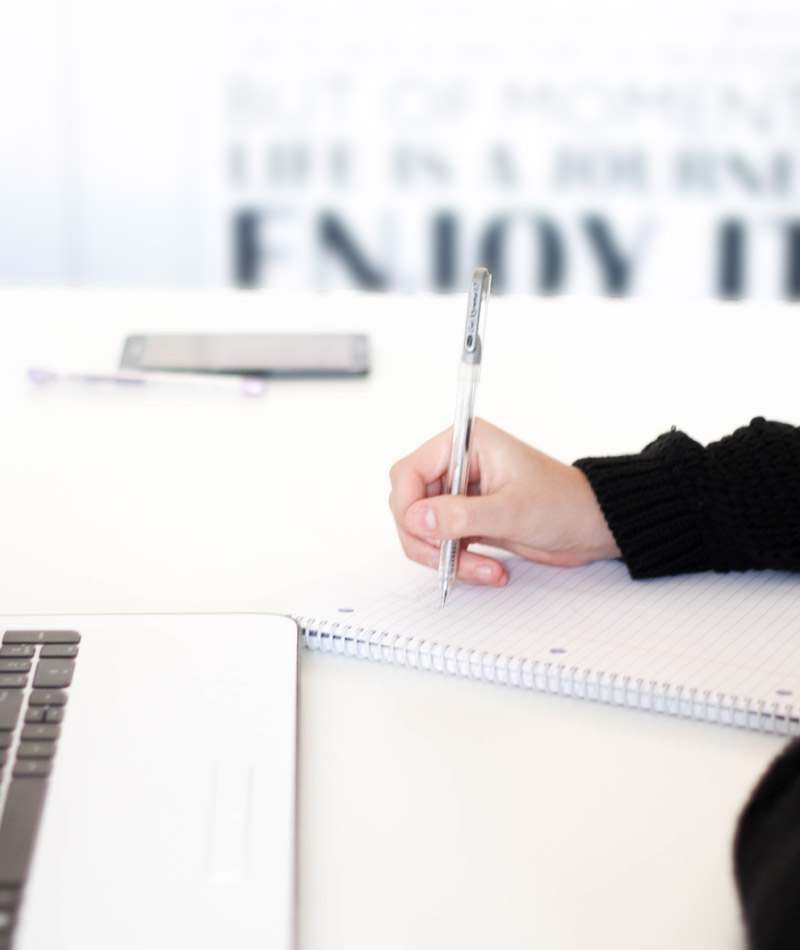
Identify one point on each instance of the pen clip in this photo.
(476, 306)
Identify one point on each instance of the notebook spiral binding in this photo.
(551, 677)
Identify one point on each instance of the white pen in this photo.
(244, 385)
(469, 372)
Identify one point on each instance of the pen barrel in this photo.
(469, 372)
(458, 469)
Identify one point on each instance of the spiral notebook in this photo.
(723, 648)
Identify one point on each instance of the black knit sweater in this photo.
(679, 507)
(734, 505)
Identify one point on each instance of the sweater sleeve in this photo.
(679, 507)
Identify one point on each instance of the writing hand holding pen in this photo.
(519, 499)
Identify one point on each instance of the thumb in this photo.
(443, 517)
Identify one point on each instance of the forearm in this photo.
(678, 507)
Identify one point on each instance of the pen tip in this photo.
(444, 598)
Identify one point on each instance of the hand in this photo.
(519, 499)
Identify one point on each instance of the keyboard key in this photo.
(31, 768)
(48, 697)
(63, 650)
(17, 649)
(5, 740)
(36, 714)
(41, 636)
(36, 750)
(13, 680)
(52, 674)
(15, 666)
(35, 732)
(54, 715)
(18, 828)
(10, 705)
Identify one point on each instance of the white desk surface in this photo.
(434, 812)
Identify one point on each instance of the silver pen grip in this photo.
(458, 470)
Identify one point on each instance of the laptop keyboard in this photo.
(36, 668)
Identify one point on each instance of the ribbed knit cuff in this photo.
(652, 522)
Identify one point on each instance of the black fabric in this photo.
(766, 854)
(678, 507)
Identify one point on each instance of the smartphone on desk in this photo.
(258, 354)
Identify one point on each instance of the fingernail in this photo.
(485, 573)
(425, 518)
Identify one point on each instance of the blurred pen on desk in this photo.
(243, 385)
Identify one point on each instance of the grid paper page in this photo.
(734, 635)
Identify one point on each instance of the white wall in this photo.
(579, 147)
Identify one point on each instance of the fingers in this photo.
(473, 568)
(477, 568)
(461, 516)
(415, 501)
(419, 475)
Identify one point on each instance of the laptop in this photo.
(148, 787)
